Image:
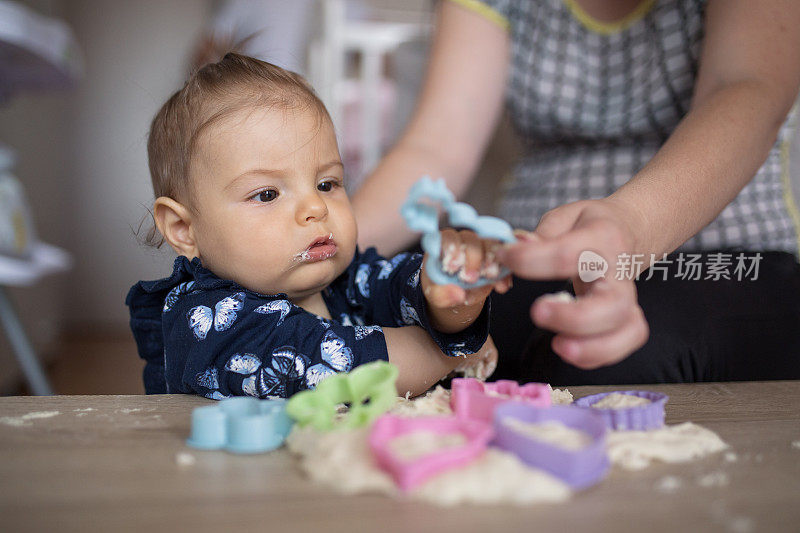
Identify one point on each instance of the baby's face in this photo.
(271, 212)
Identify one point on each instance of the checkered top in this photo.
(596, 107)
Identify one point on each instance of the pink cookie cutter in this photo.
(477, 400)
(409, 473)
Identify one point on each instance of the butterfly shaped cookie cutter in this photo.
(367, 391)
(240, 425)
(408, 473)
(639, 417)
(475, 399)
(579, 468)
(421, 213)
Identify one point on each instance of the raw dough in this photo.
(616, 400)
(551, 432)
(496, 477)
(634, 450)
(342, 460)
(416, 444)
(560, 396)
(561, 296)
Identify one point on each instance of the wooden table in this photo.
(115, 467)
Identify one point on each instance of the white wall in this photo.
(136, 55)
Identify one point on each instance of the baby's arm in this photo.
(419, 360)
(450, 307)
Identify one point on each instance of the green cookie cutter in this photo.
(368, 391)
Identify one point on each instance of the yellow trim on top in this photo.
(485, 11)
(609, 28)
(788, 194)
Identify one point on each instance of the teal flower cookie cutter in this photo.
(240, 425)
(367, 391)
(421, 213)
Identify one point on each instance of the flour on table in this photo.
(714, 479)
(416, 444)
(184, 459)
(25, 420)
(669, 484)
(796, 445)
(616, 400)
(634, 450)
(551, 432)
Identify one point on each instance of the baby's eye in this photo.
(265, 196)
(327, 185)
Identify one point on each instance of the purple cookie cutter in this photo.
(639, 418)
(578, 468)
(409, 473)
(475, 399)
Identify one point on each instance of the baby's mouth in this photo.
(320, 249)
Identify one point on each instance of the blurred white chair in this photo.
(35, 53)
(372, 41)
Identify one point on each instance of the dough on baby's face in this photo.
(616, 400)
(551, 432)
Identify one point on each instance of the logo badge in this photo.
(591, 266)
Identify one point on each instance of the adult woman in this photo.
(651, 128)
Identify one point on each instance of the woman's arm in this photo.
(748, 80)
(459, 106)
(747, 83)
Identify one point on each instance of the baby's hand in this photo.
(469, 257)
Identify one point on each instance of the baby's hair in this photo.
(210, 94)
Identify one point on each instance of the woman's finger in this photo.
(557, 258)
(601, 350)
(604, 308)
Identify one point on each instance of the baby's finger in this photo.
(452, 254)
(503, 285)
(443, 296)
(474, 252)
(490, 268)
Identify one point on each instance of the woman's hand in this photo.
(605, 324)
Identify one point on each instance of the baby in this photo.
(269, 294)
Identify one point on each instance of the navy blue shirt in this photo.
(201, 334)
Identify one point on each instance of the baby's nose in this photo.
(312, 208)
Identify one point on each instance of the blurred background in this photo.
(80, 81)
(79, 84)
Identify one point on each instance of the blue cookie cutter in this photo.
(240, 425)
(421, 214)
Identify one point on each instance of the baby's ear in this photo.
(174, 221)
